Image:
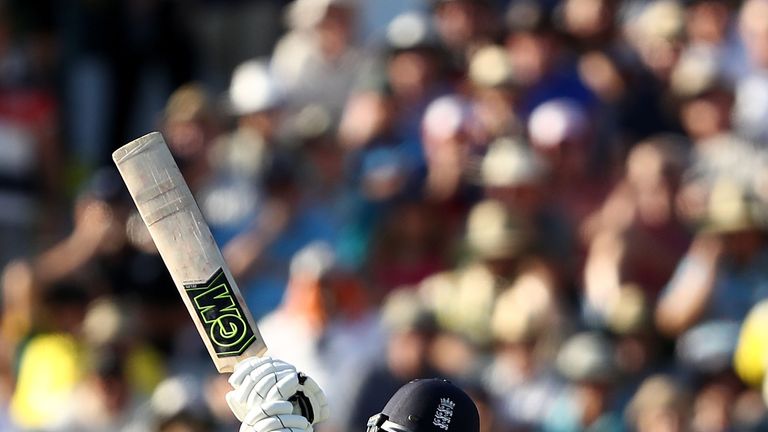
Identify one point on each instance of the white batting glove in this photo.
(257, 381)
(275, 416)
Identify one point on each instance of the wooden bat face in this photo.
(188, 249)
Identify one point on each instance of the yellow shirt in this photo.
(49, 369)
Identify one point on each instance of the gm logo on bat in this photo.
(221, 315)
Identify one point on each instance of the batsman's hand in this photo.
(259, 383)
(275, 416)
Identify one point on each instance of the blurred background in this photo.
(560, 205)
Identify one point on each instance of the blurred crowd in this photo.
(560, 205)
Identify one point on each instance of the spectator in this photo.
(655, 33)
(450, 149)
(714, 402)
(415, 70)
(589, 23)
(189, 124)
(706, 98)
(104, 400)
(638, 217)
(751, 110)
(326, 310)
(540, 61)
(561, 133)
(462, 26)
(39, 377)
(661, 404)
(526, 327)
(410, 327)
(496, 94)
(408, 247)
(721, 276)
(316, 62)
(260, 256)
(240, 158)
(516, 176)
(178, 403)
(587, 361)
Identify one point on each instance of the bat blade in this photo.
(189, 251)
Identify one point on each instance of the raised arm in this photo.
(690, 290)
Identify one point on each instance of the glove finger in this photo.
(286, 387)
(248, 428)
(292, 421)
(250, 392)
(278, 385)
(280, 366)
(246, 395)
(267, 369)
(244, 368)
(284, 430)
(320, 410)
(253, 390)
(266, 410)
(262, 376)
(313, 392)
(238, 409)
(316, 397)
(281, 422)
(256, 368)
(261, 389)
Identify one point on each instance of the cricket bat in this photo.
(187, 247)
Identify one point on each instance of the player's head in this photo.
(427, 405)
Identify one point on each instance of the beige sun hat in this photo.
(494, 232)
(490, 66)
(509, 162)
(404, 310)
(587, 357)
(729, 209)
(660, 19)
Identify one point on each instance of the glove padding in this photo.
(259, 380)
(275, 416)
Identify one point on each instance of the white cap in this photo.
(410, 29)
(555, 121)
(313, 260)
(695, 72)
(446, 116)
(252, 88)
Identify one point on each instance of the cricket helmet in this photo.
(427, 405)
